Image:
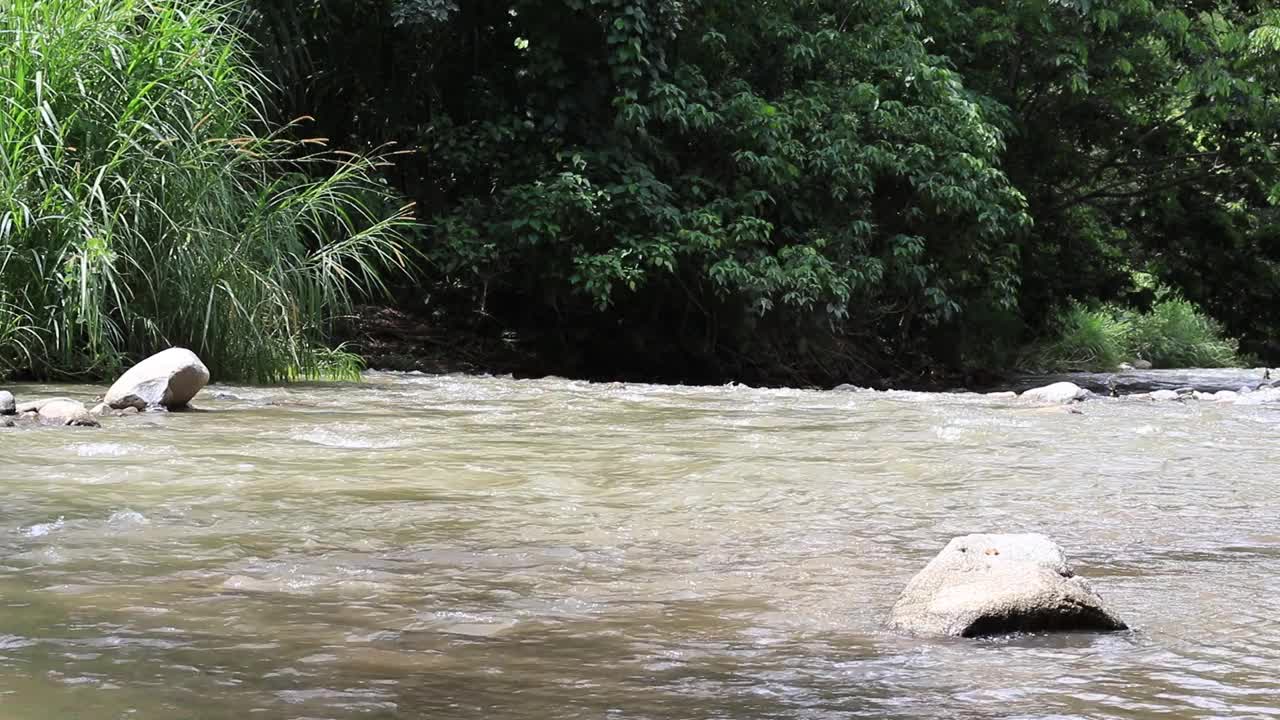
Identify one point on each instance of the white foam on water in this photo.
(127, 517)
(103, 450)
(349, 437)
(42, 529)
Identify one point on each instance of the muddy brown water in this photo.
(459, 547)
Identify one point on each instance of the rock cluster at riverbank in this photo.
(168, 380)
(1062, 393)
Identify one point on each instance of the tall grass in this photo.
(1085, 340)
(143, 205)
(1174, 334)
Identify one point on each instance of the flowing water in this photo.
(448, 547)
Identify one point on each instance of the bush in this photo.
(141, 204)
(1174, 334)
(1086, 340)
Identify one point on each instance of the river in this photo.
(467, 547)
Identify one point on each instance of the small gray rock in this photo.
(65, 412)
(1142, 365)
(8, 406)
(981, 585)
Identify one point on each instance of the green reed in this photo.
(144, 203)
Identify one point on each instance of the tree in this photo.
(1144, 135)
(633, 167)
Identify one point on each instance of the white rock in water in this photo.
(65, 412)
(167, 379)
(1164, 395)
(1059, 393)
(33, 406)
(8, 406)
(982, 585)
(1260, 397)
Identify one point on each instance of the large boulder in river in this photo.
(1058, 393)
(8, 406)
(982, 585)
(62, 411)
(167, 379)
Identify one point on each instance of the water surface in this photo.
(450, 547)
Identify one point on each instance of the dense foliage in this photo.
(1143, 134)
(142, 205)
(796, 191)
(806, 190)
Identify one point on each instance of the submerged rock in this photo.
(1058, 393)
(32, 407)
(8, 406)
(168, 379)
(981, 585)
(65, 412)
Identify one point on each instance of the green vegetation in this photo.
(807, 191)
(1173, 334)
(142, 204)
(690, 190)
(1176, 334)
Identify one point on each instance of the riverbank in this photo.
(396, 340)
(390, 339)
